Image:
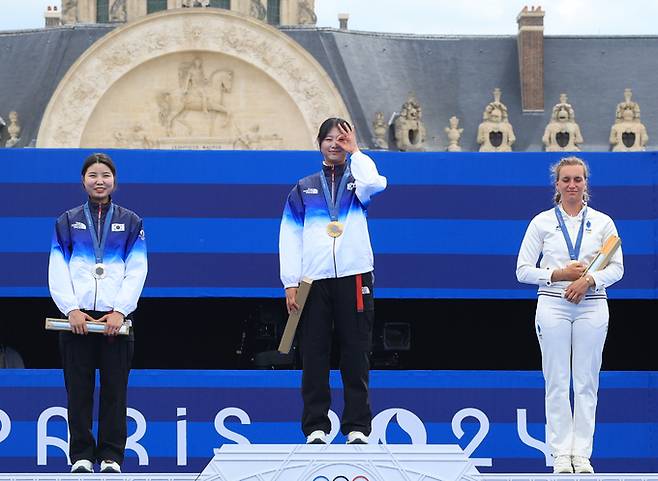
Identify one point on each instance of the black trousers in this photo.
(332, 306)
(81, 356)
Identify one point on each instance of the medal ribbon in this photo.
(99, 247)
(574, 252)
(331, 205)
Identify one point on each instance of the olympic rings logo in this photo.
(340, 478)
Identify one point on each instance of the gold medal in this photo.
(334, 229)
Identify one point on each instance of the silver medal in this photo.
(99, 271)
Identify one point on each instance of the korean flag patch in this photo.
(118, 227)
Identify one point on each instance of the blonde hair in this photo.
(555, 175)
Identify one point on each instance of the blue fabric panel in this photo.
(212, 218)
(414, 271)
(404, 403)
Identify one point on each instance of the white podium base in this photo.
(367, 462)
(197, 477)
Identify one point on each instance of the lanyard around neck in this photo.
(574, 251)
(99, 245)
(332, 205)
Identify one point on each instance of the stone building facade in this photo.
(218, 75)
(274, 12)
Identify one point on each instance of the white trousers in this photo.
(571, 337)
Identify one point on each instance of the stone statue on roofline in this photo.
(454, 134)
(562, 134)
(14, 129)
(628, 134)
(410, 133)
(380, 131)
(495, 133)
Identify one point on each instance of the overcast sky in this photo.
(478, 17)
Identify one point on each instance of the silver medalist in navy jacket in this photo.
(72, 259)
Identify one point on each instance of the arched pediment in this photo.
(192, 78)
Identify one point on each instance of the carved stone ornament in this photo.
(562, 134)
(454, 134)
(305, 13)
(14, 129)
(69, 12)
(410, 134)
(196, 3)
(192, 78)
(628, 134)
(135, 137)
(118, 12)
(380, 131)
(195, 92)
(257, 10)
(495, 133)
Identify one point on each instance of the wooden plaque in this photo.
(602, 259)
(293, 318)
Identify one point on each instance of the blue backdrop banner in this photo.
(176, 418)
(212, 218)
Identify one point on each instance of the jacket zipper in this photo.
(333, 197)
(95, 292)
(99, 241)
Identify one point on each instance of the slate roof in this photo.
(450, 75)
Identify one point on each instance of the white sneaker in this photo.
(357, 437)
(110, 466)
(317, 437)
(581, 465)
(82, 466)
(562, 465)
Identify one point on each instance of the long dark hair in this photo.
(329, 124)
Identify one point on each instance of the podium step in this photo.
(197, 477)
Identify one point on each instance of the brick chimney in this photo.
(530, 44)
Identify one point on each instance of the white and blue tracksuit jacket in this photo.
(305, 249)
(72, 259)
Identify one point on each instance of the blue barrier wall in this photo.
(178, 417)
(212, 218)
